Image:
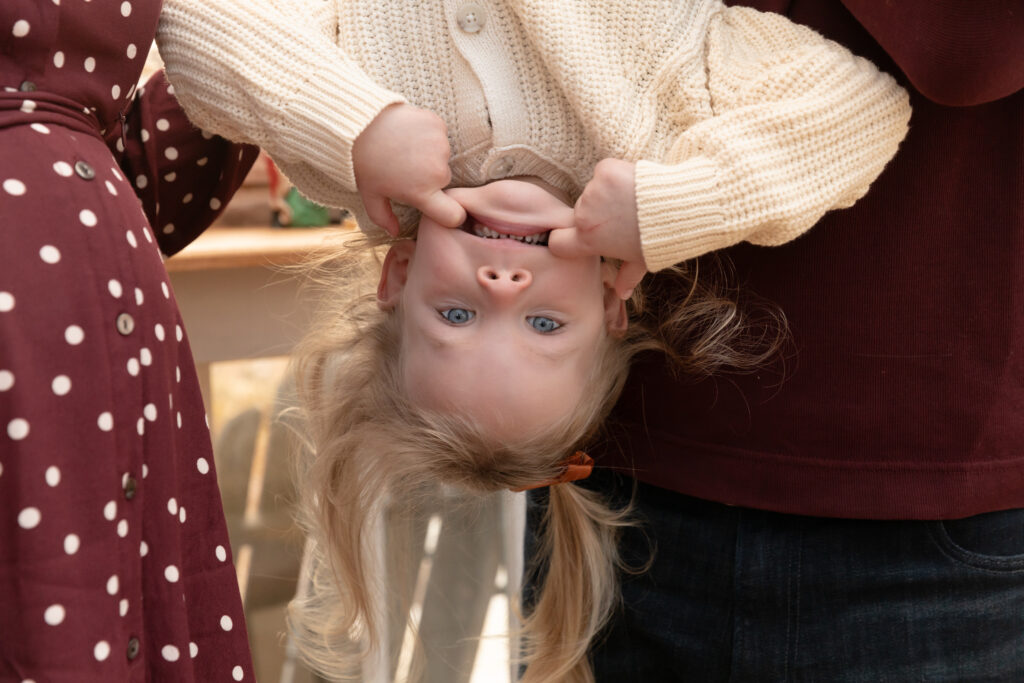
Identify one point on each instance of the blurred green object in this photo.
(304, 213)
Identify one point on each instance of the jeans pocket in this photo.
(993, 541)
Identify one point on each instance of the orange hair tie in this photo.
(578, 466)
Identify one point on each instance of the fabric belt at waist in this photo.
(25, 108)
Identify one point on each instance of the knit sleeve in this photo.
(269, 73)
(799, 126)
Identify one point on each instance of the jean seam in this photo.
(1013, 564)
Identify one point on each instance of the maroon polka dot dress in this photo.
(114, 556)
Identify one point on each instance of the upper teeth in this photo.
(483, 231)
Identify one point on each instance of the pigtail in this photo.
(578, 543)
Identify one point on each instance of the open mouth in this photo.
(474, 227)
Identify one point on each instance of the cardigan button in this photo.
(133, 648)
(27, 86)
(125, 324)
(130, 486)
(471, 17)
(501, 168)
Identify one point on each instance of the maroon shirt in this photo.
(114, 555)
(905, 396)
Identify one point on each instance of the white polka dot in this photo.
(181, 514)
(101, 651)
(133, 367)
(54, 615)
(58, 59)
(237, 673)
(226, 623)
(74, 335)
(170, 90)
(171, 177)
(143, 549)
(178, 333)
(61, 385)
(222, 554)
(187, 198)
(119, 145)
(162, 124)
(165, 290)
(168, 229)
(63, 168)
(171, 573)
(90, 64)
(202, 162)
(113, 583)
(6, 380)
(172, 506)
(144, 135)
(177, 374)
(6, 302)
(115, 289)
(141, 182)
(14, 187)
(132, 51)
(17, 428)
(50, 254)
(115, 92)
(145, 470)
(105, 421)
(170, 653)
(126, 8)
(71, 544)
(150, 412)
(145, 230)
(21, 28)
(110, 510)
(145, 357)
(52, 475)
(139, 298)
(122, 607)
(203, 466)
(140, 426)
(87, 217)
(110, 187)
(28, 106)
(131, 238)
(29, 518)
(171, 153)
(215, 204)
(117, 174)
(40, 128)
(179, 420)
(158, 330)
(193, 650)
(122, 528)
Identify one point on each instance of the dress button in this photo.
(471, 17)
(125, 324)
(27, 86)
(130, 485)
(501, 168)
(84, 170)
(133, 648)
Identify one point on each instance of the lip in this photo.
(506, 228)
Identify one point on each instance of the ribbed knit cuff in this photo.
(680, 212)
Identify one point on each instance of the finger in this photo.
(379, 210)
(565, 243)
(630, 275)
(443, 209)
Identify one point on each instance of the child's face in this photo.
(497, 329)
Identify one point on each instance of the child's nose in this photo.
(503, 281)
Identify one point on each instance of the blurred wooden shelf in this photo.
(247, 247)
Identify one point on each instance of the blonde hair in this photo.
(367, 444)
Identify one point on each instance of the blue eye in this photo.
(542, 324)
(457, 316)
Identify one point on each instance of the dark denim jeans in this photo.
(735, 594)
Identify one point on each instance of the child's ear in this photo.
(616, 319)
(393, 274)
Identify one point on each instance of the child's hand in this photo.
(606, 224)
(403, 155)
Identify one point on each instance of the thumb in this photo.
(443, 209)
(565, 243)
(630, 275)
(378, 208)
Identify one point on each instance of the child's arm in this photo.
(269, 72)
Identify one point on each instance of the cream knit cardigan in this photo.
(744, 126)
